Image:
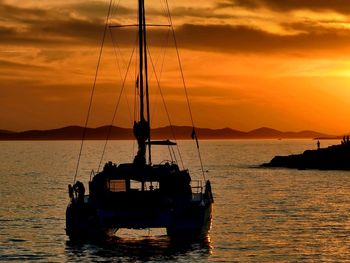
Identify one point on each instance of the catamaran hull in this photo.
(84, 222)
(195, 224)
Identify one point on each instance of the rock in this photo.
(335, 157)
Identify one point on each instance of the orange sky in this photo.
(247, 63)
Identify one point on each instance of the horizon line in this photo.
(159, 127)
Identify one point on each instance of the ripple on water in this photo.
(260, 215)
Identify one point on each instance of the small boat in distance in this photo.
(140, 194)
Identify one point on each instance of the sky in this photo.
(247, 64)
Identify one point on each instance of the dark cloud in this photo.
(34, 26)
(340, 6)
(98, 9)
(73, 28)
(45, 28)
(235, 39)
(61, 26)
(219, 38)
(50, 55)
(16, 13)
(7, 32)
(312, 27)
(10, 65)
(198, 12)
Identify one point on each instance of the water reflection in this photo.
(143, 248)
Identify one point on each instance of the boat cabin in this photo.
(132, 185)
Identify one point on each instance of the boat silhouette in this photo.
(140, 194)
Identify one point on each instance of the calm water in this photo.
(260, 215)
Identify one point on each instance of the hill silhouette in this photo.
(180, 132)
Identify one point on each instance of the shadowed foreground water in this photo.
(143, 248)
(260, 215)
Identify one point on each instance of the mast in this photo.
(141, 128)
(140, 17)
(146, 76)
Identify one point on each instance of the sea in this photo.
(259, 215)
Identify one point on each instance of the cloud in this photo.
(10, 12)
(39, 26)
(46, 27)
(195, 12)
(79, 23)
(97, 8)
(49, 55)
(235, 39)
(340, 6)
(217, 38)
(4, 64)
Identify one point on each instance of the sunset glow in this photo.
(247, 64)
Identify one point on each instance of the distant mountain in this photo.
(269, 133)
(184, 132)
(5, 131)
(71, 133)
(180, 132)
(265, 133)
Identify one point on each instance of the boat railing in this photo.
(197, 190)
(197, 186)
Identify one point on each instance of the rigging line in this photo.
(172, 149)
(115, 53)
(184, 84)
(128, 106)
(165, 107)
(166, 44)
(135, 83)
(121, 76)
(135, 90)
(165, 11)
(116, 8)
(162, 53)
(180, 65)
(115, 45)
(135, 109)
(146, 79)
(112, 9)
(115, 111)
(171, 156)
(92, 91)
(114, 12)
(135, 98)
(165, 49)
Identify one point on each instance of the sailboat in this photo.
(140, 194)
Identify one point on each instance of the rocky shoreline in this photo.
(335, 157)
